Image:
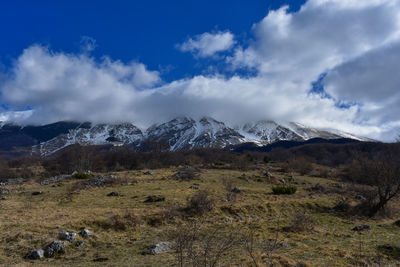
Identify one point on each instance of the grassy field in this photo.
(124, 226)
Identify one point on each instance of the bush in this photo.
(187, 173)
(118, 222)
(301, 222)
(200, 203)
(284, 189)
(83, 175)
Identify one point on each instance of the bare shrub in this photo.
(118, 222)
(230, 194)
(300, 165)
(301, 222)
(252, 245)
(199, 204)
(382, 175)
(187, 173)
(197, 246)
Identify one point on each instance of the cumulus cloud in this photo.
(208, 44)
(372, 80)
(356, 43)
(61, 86)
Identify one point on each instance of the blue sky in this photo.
(145, 31)
(323, 63)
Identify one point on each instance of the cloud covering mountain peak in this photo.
(355, 43)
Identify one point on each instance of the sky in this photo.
(323, 63)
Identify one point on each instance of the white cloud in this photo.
(208, 44)
(355, 42)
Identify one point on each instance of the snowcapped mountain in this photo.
(266, 132)
(186, 133)
(99, 134)
(178, 134)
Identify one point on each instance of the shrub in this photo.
(83, 175)
(187, 173)
(284, 189)
(301, 222)
(118, 222)
(200, 203)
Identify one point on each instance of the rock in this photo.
(360, 197)
(79, 244)
(35, 254)
(195, 187)
(3, 198)
(113, 194)
(148, 173)
(284, 245)
(37, 193)
(85, 233)
(56, 179)
(291, 179)
(12, 181)
(100, 181)
(159, 248)
(282, 181)
(102, 259)
(154, 198)
(236, 190)
(362, 227)
(267, 174)
(397, 223)
(55, 247)
(67, 236)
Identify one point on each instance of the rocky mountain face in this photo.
(178, 134)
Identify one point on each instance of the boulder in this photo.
(160, 247)
(35, 254)
(85, 233)
(55, 247)
(154, 198)
(37, 193)
(67, 236)
(113, 194)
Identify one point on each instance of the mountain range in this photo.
(181, 133)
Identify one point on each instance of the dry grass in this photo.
(124, 225)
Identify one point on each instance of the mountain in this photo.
(186, 133)
(181, 133)
(86, 134)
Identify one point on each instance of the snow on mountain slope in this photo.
(186, 133)
(266, 132)
(178, 134)
(99, 134)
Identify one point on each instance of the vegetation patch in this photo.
(284, 189)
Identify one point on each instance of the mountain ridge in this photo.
(180, 133)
